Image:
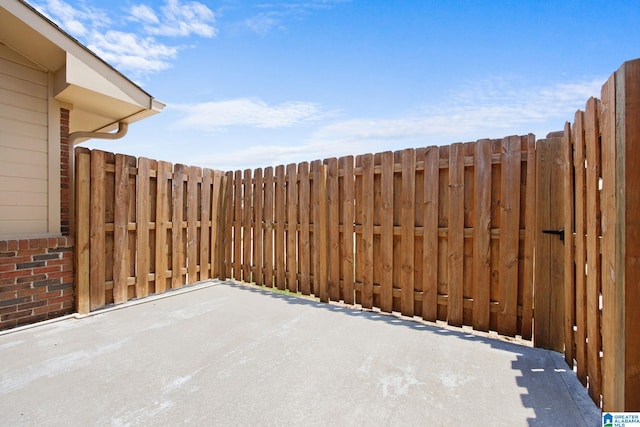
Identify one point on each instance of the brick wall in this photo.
(36, 280)
(65, 174)
(36, 275)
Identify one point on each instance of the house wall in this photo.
(29, 157)
(36, 275)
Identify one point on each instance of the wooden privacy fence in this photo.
(601, 184)
(451, 233)
(437, 232)
(143, 227)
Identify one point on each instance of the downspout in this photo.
(122, 131)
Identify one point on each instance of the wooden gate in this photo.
(552, 202)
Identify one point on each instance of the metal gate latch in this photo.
(556, 232)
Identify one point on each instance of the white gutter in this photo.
(122, 131)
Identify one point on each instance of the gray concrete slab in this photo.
(227, 354)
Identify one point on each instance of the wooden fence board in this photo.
(347, 249)
(482, 236)
(177, 229)
(455, 235)
(83, 229)
(367, 230)
(509, 236)
(97, 275)
(530, 236)
(192, 224)
(163, 249)
(333, 228)
(268, 226)
(321, 229)
(304, 236)
(230, 227)
(569, 254)
(143, 220)
(258, 231)
(218, 225)
(407, 238)
(577, 135)
(207, 224)
(314, 215)
(237, 225)
(279, 228)
(247, 228)
(430, 237)
(386, 232)
(593, 249)
(612, 387)
(291, 227)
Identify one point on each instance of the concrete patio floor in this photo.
(227, 354)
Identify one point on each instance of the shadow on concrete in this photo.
(530, 363)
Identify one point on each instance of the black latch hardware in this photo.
(556, 232)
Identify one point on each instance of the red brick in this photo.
(59, 299)
(15, 287)
(31, 291)
(7, 267)
(30, 279)
(47, 295)
(16, 315)
(3, 245)
(17, 273)
(12, 245)
(15, 260)
(7, 295)
(44, 270)
(31, 305)
(56, 274)
(8, 325)
(9, 309)
(31, 319)
(46, 308)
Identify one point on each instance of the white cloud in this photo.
(129, 52)
(248, 112)
(133, 49)
(472, 112)
(181, 20)
(478, 110)
(273, 15)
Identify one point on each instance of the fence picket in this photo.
(407, 237)
(593, 249)
(193, 210)
(529, 236)
(333, 228)
(143, 211)
(482, 236)
(580, 248)
(206, 226)
(304, 236)
(258, 230)
(291, 227)
(97, 275)
(347, 220)
(268, 226)
(456, 235)
(247, 226)
(386, 232)
(279, 219)
(509, 235)
(367, 230)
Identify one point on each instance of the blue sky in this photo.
(257, 83)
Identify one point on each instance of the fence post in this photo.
(82, 200)
(622, 301)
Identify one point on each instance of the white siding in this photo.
(24, 146)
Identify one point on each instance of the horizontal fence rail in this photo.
(436, 232)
